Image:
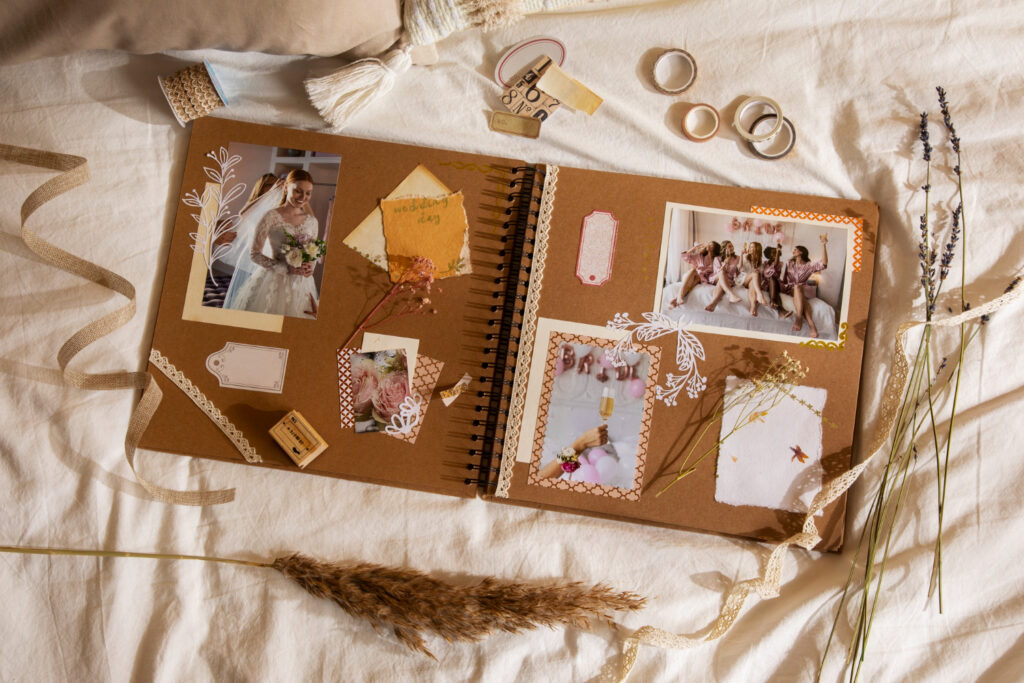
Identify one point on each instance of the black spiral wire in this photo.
(499, 368)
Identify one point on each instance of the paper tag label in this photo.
(243, 366)
(515, 124)
(597, 248)
(523, 97)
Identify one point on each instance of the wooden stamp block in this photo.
(298, 439)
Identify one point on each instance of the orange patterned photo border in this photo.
(631, 494)
(856, 222)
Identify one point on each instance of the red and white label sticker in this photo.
(597, 248)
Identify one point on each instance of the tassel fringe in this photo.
(341, 95)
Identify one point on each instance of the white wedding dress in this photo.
(269, 288)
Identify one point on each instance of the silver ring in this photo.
(742, 109)
(787, 124)
(674, 54)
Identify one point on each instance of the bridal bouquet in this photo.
(302, 249)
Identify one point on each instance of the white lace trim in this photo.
(529, 331)
(206, 405)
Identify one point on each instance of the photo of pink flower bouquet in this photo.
(380, 382)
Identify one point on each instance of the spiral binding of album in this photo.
(510, 278)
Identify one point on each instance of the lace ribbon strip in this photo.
(206, 405)
(526, 337)
(74, 172)
(767, 585)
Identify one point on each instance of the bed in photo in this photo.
(752, 275)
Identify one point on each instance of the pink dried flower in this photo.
(414, 282)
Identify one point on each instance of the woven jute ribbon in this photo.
(767, 585)
(74, 172)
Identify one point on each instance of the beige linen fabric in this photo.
(851, 77)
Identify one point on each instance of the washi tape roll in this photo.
(701, 123)
(674, 71)
(780, 145)
(193, 92)
(753, 102)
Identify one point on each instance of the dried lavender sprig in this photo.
(950, 249)
(886, 508)
(925, 252)
(943, 478)
(1009, 288)
(954, 141)
(924, 137)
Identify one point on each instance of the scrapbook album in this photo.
(646, 349)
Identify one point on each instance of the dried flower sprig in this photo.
(408, 295)
(1009, 288)
(924, 136)
(925, 251)
(411, 603)
(954, 140)
(916, 429)
(753, 400)
(950, 249)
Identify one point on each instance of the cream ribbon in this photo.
(74, 172)
(767, 585)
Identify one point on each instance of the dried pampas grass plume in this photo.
(411, 603)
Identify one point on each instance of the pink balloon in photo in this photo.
(588, 469)
(636, 388)
(559, 367)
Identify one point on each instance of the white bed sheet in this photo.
(851, 76)
(736, 316)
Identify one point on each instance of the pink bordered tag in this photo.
(597, 248)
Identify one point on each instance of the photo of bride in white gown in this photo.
(270, 275)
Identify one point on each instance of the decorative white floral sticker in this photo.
(688, 351)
